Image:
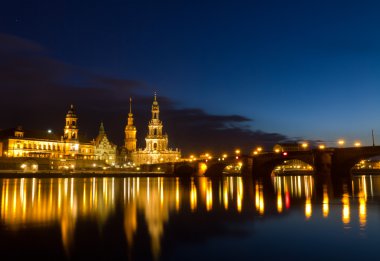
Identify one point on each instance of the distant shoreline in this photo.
(80, 174)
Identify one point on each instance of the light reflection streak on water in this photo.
(209, 196)
(308, 208)
(177, 202)
(325, 202)
(259, 198)
(279, 201)
(193, 196)
(346, 209)
(360, 184)
(239, 197)
(225, 194)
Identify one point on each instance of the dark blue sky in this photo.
(307, 69)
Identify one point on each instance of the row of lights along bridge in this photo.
(258, 150)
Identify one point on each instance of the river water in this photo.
(157, 218)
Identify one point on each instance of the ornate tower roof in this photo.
(71, 127)
(155, 109)
(130, 114)
(71, 112)
(101, 128)
(130, 131)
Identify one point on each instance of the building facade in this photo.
(156, 149)
(104, 149)
(20, 143)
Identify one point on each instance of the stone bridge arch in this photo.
(345, 159)
(216, 168)
(184, 169)
(263, 165)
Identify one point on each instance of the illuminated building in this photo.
(69, 149)
(156, 150)
(104, 149)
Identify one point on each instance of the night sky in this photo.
(227, 73)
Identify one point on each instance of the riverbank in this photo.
(80, 174)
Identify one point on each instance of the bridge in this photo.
(334, 161)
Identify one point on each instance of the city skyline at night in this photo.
(257, 73)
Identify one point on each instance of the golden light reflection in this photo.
(193, 196)
(325, 202)
(259, 198)
(362, 195)
(239, 197)
(176, 193)
(279, 202)
(346, 209)
(202, 168)
(225, 194)
(209, 196)
(362, 210)
(308, 208)
(299, 186)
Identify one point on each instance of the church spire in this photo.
(130, 106)
(101, 128)
(130, 114)
(155, 108)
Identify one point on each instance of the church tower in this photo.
(155, 140)
(156, 149)
(71, 127)
(130, 131)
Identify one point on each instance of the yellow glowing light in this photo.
(225, 195)
(362, 210)
(237, 151)
(277, 150)
(259, 149)
(239, 198)
(357, 144)
(308, 209)
(322, 147)
(325, 202)
(202, 168)
(346, 209)
(341, 142)
(304, 145)
(255, 153)
(209, 196)
(193, 196)
(224, 155)
(259, 199)
(279, 202)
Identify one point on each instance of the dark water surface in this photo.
(292, 218)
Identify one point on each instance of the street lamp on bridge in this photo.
(341, 142)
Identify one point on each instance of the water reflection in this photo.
(150, 205)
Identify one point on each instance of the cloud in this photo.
(38, 89)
